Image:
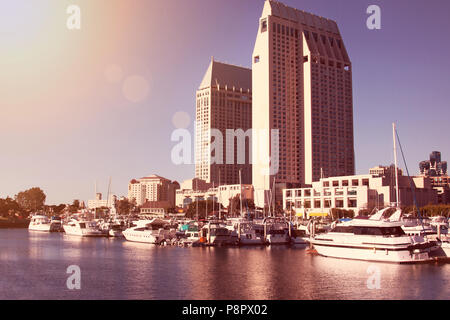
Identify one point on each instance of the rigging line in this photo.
(411, 184)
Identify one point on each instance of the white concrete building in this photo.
(222, 194)
(358, 192)
(152, 188)
(302, 100)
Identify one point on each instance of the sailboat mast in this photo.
(396, 167)
(240, 189)
(220, 198)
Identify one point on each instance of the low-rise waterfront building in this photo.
(99, 202)
(358, 192)
(221, 194)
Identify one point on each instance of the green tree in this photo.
(8, 206)
(123, 206)
(31, 199)
(75, 206)
(204, 206)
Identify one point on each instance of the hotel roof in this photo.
(281, 10)
(227, 75)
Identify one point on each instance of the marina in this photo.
(33, 266)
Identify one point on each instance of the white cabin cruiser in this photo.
(374, 240)
(250, 234)
(277, 233)
(215, 234)
(42, 223)
(83, 229)
(153, 231)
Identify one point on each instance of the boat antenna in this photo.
(411, 184)
(397, 201)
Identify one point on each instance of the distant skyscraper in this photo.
(302, 86)
(223, 101)
(434, 166)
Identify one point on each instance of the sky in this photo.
(80, 106)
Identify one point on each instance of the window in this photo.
(264, 25)
(256, 59)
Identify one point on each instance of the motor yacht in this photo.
(374, 240)
(277, 233)
(42, 223)
(215, 234)
(250, 234)
(155, 231)
(83, 228)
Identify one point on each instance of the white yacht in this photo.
(300, 235)
(153, 231)
(250, 234)
(374, 240)
(277, 233)
(115, 231)
(42, 223)
(83, 229)
(215, 234)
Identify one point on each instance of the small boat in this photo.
(83, 229)
(215, 234)
(277, 233)
(300, 235)
(42, 223)
(116, 231)
(155, 231)
(250, 234)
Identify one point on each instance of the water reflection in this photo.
(33, 266)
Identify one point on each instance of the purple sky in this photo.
(400, 73)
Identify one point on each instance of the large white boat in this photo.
(374, 240)
(153, 231)
(83, 229)
(42, 223)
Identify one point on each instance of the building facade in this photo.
(221, 194)
(99, 202)
(358, 192)
(436, 171)
(223, 102)
(152, 188)
(302, 92)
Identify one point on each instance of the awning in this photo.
(318, 214)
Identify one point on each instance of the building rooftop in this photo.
(281, 10)
(227, 75)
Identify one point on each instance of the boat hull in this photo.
(70, 231)
(372, 254)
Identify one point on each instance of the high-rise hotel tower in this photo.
(223, 102)
(302, 87)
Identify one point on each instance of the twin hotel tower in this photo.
(297, 99)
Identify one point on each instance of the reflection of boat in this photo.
(43, 224)
(83, 229)
(154, 231)
(373, 240)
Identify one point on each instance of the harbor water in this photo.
(34, 265)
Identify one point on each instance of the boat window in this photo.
(343, 229)
(82, 225)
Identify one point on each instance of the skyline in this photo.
(88, 127)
